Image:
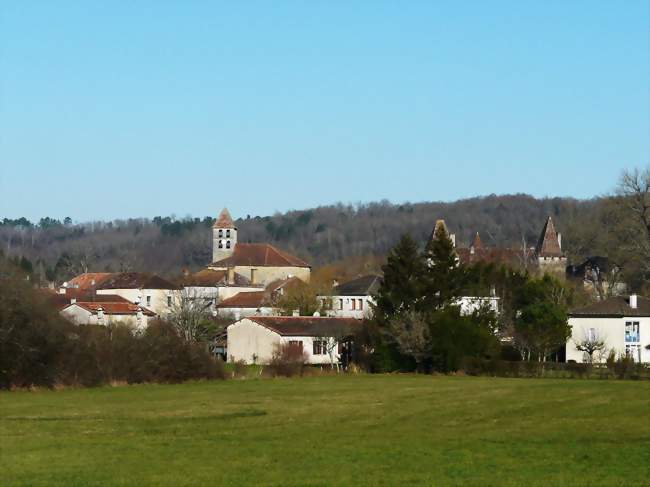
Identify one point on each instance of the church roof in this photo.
(477, 243)
(213, 278)
(548, 244)
(262, 255)
(224, 220)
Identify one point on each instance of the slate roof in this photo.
(246, 299)
(615, 307)
(548, 244)
(362, 286)
(308, 325)
(224, 220)
(259, 255)
(213, 278)
(136, 280)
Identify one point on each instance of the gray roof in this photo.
(362, 286)
(615, 307)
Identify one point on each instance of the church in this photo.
(259, 263)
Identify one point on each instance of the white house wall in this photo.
(612, 331)
(342, 306)
(158, 302)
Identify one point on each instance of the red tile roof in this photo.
(259, 255)
(61, 301)
(548, 244)
(113, 308)
(308, 325)
(224, 220)
(496, 255)
(88, 280)
(136, 280)
(213, 278)
(252, 299)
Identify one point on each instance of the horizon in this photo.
(155, 109)
(354, 205)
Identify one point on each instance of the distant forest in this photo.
(56, 250)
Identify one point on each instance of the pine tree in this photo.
(401, 288)
(443, 280)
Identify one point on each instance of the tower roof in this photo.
(224, 220)
(477, 243)
(548, 244)
(439, 224)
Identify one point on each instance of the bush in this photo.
(287, 360)
(622, 366)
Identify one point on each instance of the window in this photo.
(353, 304)
(361, 305)
(220, 233)
(340, 304)
(220, 244)
(169, 300)
(148, 300)
(632, 331)
(227, 244)
(297, 344)
(227, 233)
(320, 347)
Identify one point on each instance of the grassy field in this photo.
(364, 430)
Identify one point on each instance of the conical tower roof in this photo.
(548, 244)
(439, 224)
(477, 243)
(224, 220)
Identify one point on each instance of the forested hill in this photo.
(320, 235)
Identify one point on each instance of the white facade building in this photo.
(623, 323)
(352, 299)
(254, 339)
(105, 313)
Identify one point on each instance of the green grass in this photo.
(363, 430)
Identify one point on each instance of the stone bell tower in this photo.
(224, 236)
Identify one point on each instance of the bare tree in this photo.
(590, 343)
(191, 315)
(412, 334)
(634, 187)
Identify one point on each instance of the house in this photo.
(622, 323)
(323, 339)
(148, 290)
(259, 263)
(215, 285)
(243, 304)
(352, 299)
(598, 276)
(104, 313)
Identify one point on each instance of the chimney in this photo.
(296, 312)
(633, 301)
(73, 300)
(559, 239)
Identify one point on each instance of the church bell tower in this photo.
(224, 236)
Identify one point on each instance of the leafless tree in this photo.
(590, 343)
(191, 314)
(412, 334)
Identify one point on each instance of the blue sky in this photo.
(127, 109)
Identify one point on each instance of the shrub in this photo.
(287, 360)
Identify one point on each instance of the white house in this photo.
(254, 339)
(352, 299)
(148, 290)
(244, 304)
(623, 323)
(104, 313)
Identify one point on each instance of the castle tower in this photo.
(224, 236)
(548, 251)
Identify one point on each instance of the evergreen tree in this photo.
(443, 279)
(402, 285)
